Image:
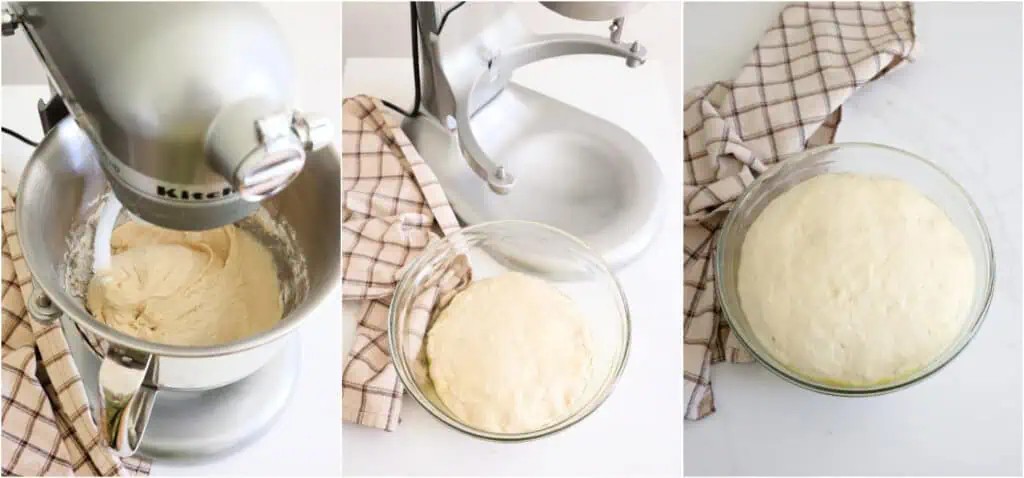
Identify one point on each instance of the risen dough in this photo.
(186, 288)
(855, 280)
(510, 354)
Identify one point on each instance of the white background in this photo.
(959, 105)
(306, 440)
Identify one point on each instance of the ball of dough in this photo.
(855, 280)
(186, 288)
(510, 354)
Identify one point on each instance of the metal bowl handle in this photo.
(125, 402)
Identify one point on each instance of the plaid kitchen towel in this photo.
(786, 98)
(391, 205)
(47, 426)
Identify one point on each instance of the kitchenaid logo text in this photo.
(186, 195)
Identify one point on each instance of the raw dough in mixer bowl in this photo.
(186, 288)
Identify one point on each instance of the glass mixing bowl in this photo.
(492, 249)
(857, 158)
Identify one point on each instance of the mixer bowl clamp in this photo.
(125, 403)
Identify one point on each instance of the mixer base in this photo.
(574, 171)
(192, 427)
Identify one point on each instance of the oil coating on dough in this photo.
(510, 354)
(855, 279)
(186, 288)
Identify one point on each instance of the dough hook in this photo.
(104, 231)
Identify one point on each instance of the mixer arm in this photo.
(499, 69)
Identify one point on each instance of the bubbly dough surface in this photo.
(510, 354)
(855, 280)
(186, 288)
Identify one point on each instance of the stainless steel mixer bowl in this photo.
(62, 180)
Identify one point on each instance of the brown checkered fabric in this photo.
(786, 98)
(47, 426)
(392, 205)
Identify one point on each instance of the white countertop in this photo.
(959, 105)
(637, 430)
(306, 438)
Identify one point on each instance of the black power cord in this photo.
(415, 17)
(20, 137)
(444, 18)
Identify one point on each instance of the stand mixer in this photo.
(504, 151)
(184, 111)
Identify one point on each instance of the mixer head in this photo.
(593, 11)
(188, 103)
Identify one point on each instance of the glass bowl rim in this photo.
(805, 382)
(409, 384)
